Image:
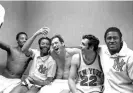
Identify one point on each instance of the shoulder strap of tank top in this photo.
(79, 60)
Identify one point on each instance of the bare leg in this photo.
(33, 89)
(19, 89)
(65, 91)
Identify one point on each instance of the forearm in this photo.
(30, 40)
(46, 82)
(72, 85)
(43, 83)
(28, 43)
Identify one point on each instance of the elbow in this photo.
(70, 79)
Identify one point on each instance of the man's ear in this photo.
(121, 42)
(92, 47)
(63, 44)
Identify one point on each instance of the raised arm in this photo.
(4, 46)
(73, 73)
(28, 43)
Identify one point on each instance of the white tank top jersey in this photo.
(90, 76)
(118, 70)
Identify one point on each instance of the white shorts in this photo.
(57, 86)
(27, 83)
(88, 89)
(7, 84)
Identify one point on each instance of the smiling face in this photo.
(57, 45)
(44, 46)
(113, 41)
(21, 40)
(84, 44)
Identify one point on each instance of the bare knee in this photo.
(65, 91)
(33, 90)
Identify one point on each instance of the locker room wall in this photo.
(71, 19)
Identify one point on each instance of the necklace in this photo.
(44, 58)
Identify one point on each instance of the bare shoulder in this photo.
(76, 56)
(13, 48)
(53, 54)
(75, 59)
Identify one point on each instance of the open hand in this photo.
(43, 31)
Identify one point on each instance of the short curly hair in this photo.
(39, 41)
(113, 29)
(59, 37)
(20, 33)
(94, 41)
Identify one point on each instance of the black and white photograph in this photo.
(66, 46)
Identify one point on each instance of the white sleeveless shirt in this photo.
(90, 76)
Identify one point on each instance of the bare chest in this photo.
(63, 62)
(17, 56)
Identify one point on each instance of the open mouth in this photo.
(22, 43)
(56, 49)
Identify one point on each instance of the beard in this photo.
(44, 51)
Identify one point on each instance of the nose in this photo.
(112, 40)
(44, 45)
(24, 40)
(81, 46)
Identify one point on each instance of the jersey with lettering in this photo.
(118, 70)
(42, 67)
(90, 76)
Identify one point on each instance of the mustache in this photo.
(112, 43)
(44, 47)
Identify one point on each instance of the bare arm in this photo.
(4, 46)
(73, 73)
(46, 82)
(73, 47)
(73, 51)
(28, 43)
